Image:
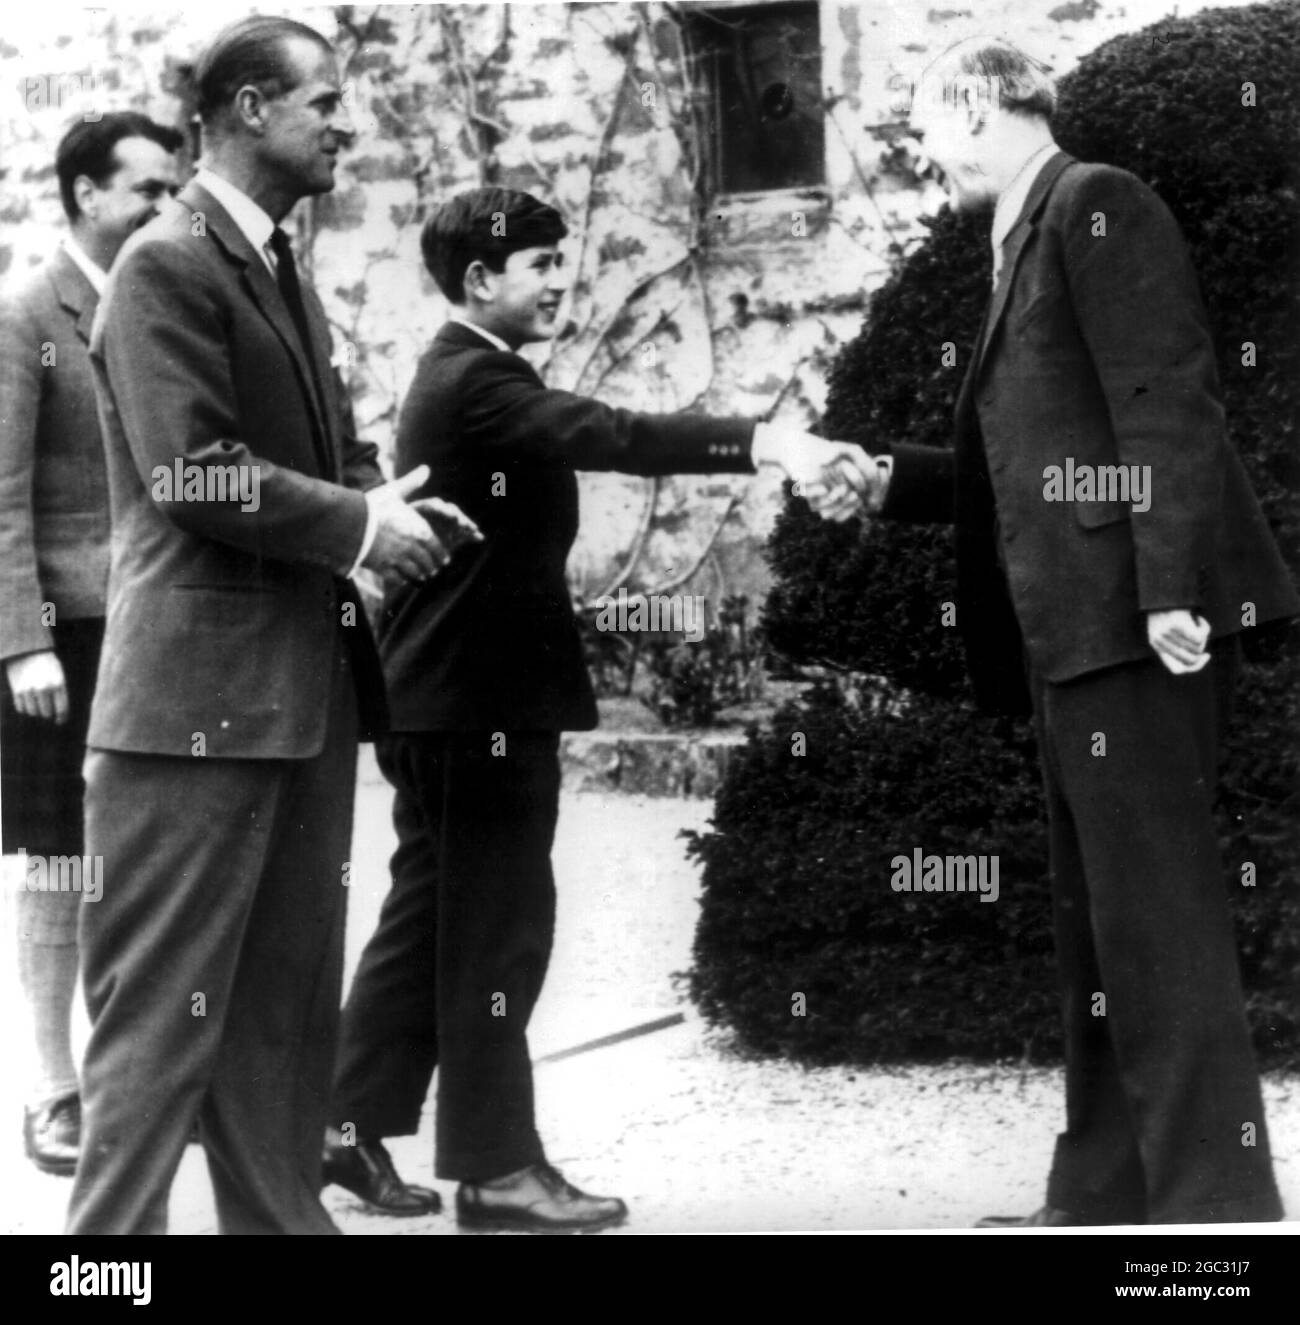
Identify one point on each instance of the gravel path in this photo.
(694, 1138)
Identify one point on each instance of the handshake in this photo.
(837, 479)
(414, 537)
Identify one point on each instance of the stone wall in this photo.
(679, 301)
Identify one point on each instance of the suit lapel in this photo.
(261, 287)
(74, 292)
(967, 390)
(320, 343)
(1013, 246)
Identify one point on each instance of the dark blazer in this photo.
(222, 620)
(491, 643)
(53, 488)
(1095, 349)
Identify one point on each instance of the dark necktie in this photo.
(286, 277)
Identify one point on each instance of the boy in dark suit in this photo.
(484, 670)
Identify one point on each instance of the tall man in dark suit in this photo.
(1109, 546)
(112, 172)
(485, 670)
(237, 670)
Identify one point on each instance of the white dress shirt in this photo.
(1012, 202)
(487, 335)
(257, 227)
(92, 271)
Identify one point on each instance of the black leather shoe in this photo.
(535, 1200)
(366, 1170)
(52, 1135)
(1047, 1217)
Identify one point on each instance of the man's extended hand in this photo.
(1179, 639)
(829, 475)
(405, 546)
(38, 686)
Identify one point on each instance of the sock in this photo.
(47, 974)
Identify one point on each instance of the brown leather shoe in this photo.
(1047, 1217)
(366, 1170)
(52, 1136)
(535, 1200)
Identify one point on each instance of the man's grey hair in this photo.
(987, 71)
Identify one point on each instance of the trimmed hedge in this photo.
(798, 898)
(797, 864)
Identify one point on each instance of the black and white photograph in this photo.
(651, 618)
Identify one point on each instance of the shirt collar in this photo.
(487, 335)
(256, 226)
(1012, 202)
(92, 271)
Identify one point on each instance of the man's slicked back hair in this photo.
(254, 51)
(486, 225)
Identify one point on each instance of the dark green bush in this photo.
(798, 896)
(796, 867)
(867, 600)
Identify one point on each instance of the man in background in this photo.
(54, 537)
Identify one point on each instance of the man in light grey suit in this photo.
(112, 172)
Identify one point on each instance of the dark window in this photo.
(759, 72)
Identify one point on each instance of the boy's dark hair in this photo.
(87, 149)
(486, 225)
(252, 52)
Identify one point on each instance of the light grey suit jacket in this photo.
(54, 528)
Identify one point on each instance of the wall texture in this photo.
(679, 301)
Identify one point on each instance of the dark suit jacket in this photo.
(1094, 349)
(53, 489)
(222, 620)
(491, 643)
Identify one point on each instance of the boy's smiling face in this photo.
(520, 303)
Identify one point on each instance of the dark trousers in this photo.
(452, 973)
(1164, 1119)
(41, 789)
(213, 969)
